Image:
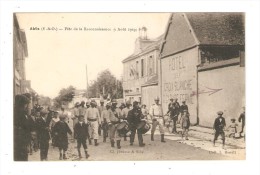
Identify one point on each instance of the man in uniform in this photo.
(113, 120)
(156, 113)
(93, 118)
(125, 113)
(75, 114)
(104, 119)
(134, 118)
(218, 127)
(100, 109)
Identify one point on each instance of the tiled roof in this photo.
(218, 28)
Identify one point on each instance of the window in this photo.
(215, 54)
(151, 69)
(142, 67)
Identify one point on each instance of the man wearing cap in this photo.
(100, 109)
(125, 113)
(104, 119)
(93, 118)
(75, 114)
(156, 114)
(43, 134)
(242, 119)
(22, 130)
(134, 118)
(113, 120)
(218, 127)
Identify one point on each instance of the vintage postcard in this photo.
(149, 87)
(129, 86)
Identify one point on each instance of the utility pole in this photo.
(87, 80)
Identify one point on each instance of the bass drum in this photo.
(123, 127)
(144, 126)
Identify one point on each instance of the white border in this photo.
(249, 166)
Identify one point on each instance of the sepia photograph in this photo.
(129, 86)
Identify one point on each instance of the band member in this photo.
(82, 109)
(22, 131)
(61, 130)
(145, 111)
(218, 127)
(113, 120)
(80, 133)
(100, 109)
(75, 117)
(125, 113)
(104, 119)
(134, 118)
(90, 134)
(43, 135)
(156, 113)
(93, 118)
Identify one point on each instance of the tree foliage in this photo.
(65, 96)
(106, 85)
(44, 101)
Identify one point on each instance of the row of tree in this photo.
(106, 85)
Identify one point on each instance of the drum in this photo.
(123, 127)
(144, 126)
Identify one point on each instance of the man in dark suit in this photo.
(218, 127)
(43, 134)
(22, 128)
(81, 133)
(134, 118)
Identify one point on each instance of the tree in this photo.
(44, 101)
(105, 85)
(65, 96)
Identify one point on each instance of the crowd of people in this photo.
(35, 126)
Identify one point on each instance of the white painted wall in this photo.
(179, 80)
(230, 99)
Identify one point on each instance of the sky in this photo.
(58, 58)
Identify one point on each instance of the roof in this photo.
(145, 46)
(187, 30)
(218, 28)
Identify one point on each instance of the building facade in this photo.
(202, 62)
(20, 52)
(140, 71)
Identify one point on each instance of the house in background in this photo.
(140, 70)
(202, 62)
(20, 53)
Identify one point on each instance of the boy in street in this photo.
(80, 132)
(61, 130)
(218, 127)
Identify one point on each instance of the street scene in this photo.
(129, 86)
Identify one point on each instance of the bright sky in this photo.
(58, 59)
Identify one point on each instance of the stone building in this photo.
(140, 70)
(202, 62)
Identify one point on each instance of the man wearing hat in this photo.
(101, 108)
(22, 128)
(156, 113)
(218, 127)
(93, 118)
(104, 119)
(125, 113)
(43, 134)
(134, 118)
(113, 120)
(75, 117)
(82, 109)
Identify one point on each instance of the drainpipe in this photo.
(197, 94)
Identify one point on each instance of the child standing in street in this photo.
(185, 124)
(232, 128)
(80, 133)
(61, 130)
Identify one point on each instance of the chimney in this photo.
(143, 33)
